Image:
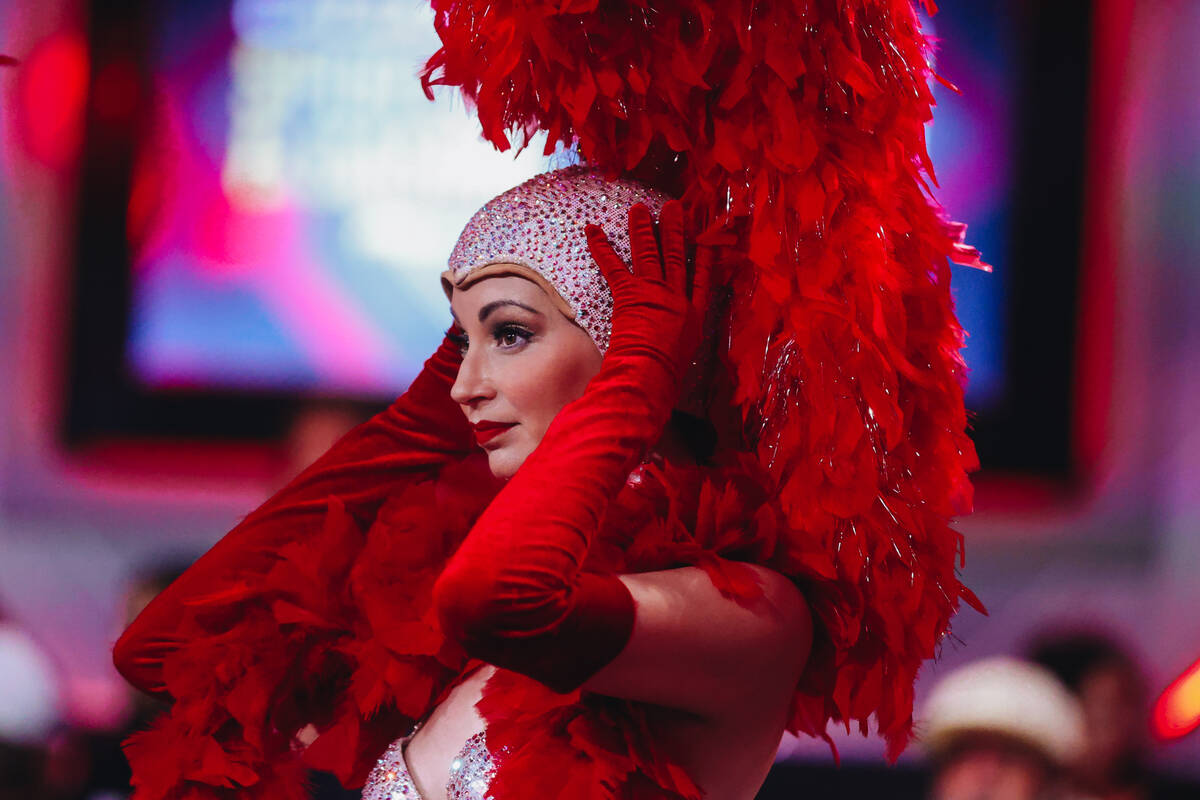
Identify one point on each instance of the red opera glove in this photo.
(514, 594)
(420, 432)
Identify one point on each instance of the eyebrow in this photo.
(486, 311)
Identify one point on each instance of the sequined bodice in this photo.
(471, 774)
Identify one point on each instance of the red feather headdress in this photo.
(794, 133)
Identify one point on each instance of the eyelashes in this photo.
(507, 336)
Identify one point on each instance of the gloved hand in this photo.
(419, 433)
(658, 313)
(514, 594)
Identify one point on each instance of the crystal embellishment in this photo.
(389, 780)
(471, 774)
(541, 225)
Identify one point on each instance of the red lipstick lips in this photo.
(486, 430)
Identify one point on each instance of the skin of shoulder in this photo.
(695, 650)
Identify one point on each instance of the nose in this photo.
(472, 386)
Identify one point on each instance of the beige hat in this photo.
(1006, 697)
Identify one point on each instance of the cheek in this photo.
(554, 380)
(573, 374)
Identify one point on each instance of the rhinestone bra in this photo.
(471, 773)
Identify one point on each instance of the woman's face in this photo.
(522, 362)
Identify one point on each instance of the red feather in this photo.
(794, 133)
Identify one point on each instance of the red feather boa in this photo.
(794, 133)
(338, 631)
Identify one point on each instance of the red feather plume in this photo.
(794, 133)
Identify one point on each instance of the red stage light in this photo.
(1177, 710)
(53, 90)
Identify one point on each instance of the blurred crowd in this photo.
(1068, 722)
(42, 757)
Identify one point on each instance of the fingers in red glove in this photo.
(669, 266)
(643, 244)
(674, 255)
(614, 270)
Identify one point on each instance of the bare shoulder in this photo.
(775, 613)
(697, 650)
(718, 673)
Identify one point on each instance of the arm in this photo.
(694, 649)
(422, 431)
(514, 593)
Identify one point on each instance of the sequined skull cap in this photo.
(537, 231)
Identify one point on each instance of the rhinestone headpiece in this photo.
(539, 228)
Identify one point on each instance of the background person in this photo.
(1000, 729)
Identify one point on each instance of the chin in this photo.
(504, 463)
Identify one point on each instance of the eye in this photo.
(460, 339)
(511, 337)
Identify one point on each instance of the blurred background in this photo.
(221, 225)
